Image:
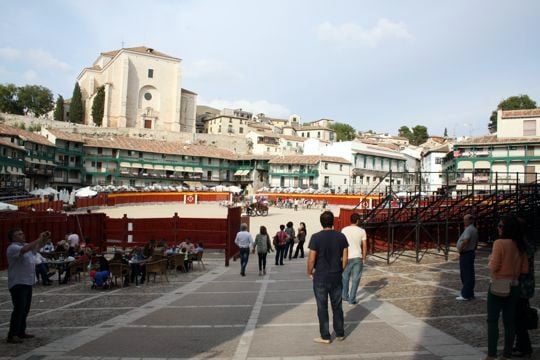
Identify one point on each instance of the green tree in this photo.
(418, 135)
(519, 102)
(445, 132)
(405, 132)
(9, 102)
(344, 132)
(59, 109)
(35, 99)
(98, 106)
(76, 109)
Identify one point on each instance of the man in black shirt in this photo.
(327, 258)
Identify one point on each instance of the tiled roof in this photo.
(508, 114)
(293, 138)
(5, 142)
(66, 135)
(25, 135)
(311, 127)
(307, 159)
(139, 49)
(160, 147)
(189, 91)
(493, 139)
(256, 125)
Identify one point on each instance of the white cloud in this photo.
(211, 69)
(256, 107)
(8, 53)
(30, 75)
(350, 35)
(44, 59)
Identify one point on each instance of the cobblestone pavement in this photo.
(406, 311)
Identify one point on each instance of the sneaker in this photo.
(461, 298)
(14, 340)
(322, 341)
(340, 338)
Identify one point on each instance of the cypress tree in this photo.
(98, 107)
(59, 109)
(76, 109)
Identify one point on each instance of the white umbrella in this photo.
(39, 192)
(8, 207)
(235, 189)
(85, 192)
(50, 190)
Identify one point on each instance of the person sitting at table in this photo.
(185, 252)
(42, 269)
(138, 267)
(118, 258)
(199, 248)
(48, 247)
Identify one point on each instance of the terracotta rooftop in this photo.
(293, 138)
(24, 134)
(160, 147)
(139, 49)
(509, 114)
(62, 135)
(307, 159)
(493, 139)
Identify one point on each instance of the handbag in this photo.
(500, 287)
(531, 321)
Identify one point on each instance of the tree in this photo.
(344, 132)
(98, 106)
(9, 102)
(59, 109)
(417, 136)
(445, 132)
(520, 102)
(35, 99)
(76, 109)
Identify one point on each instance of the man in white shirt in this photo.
(356, 236)
(245, 241)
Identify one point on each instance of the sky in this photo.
(375, 65)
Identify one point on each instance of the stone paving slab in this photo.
(164, 343)
(206, 299)
(195, 316)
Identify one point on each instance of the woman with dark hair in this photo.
(507, 261)
(302, 233)
(263, 246)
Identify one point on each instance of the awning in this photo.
(169, 167)
(188, 169)
(158, 167)
(148, 166)
(136, 165)
(125, 164)
(197, 170)
(13, 172)
(238, 172)
(193, 183)
(178, 168)
(245, 172)
(33, 161)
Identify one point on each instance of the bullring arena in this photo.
(406, 310)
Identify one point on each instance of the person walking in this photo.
(357, 239)
(302, 233)
(290, 240)
(263, 246)
(280, 243)
(507, 261)
(466, 246)
(327, 258)
(244, 241)
(21, 278)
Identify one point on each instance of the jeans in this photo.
(299, 248)
(323, 290)
(352, 272)
(42, 270)
(21, 297)
(508, 306)
(466, 272)
(289, 249)
(262, 261)
(244, 257)
(280, 251)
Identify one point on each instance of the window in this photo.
(529, 127)
(326, 181)
(150, 73)
(148, 96)
(325, 166)
(241, 130)
(340, 167)
(99, 151)
(318, 134)
(438, 160)
(129, 152)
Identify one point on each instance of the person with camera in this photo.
(21, 278)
